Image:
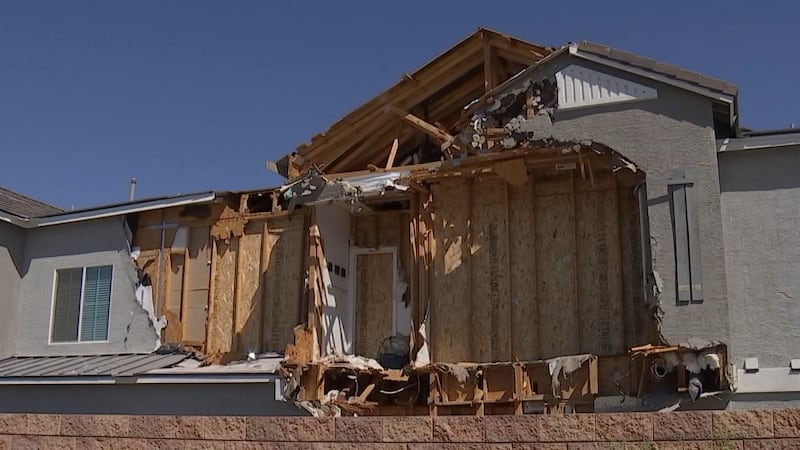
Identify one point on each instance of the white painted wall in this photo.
(337, 323)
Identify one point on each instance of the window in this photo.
(81, 304)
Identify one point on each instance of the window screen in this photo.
(82, 302)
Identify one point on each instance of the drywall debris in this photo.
(561, 366)
(458, 371)
(423, 354)
(352, 361)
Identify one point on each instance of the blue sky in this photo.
(196, 95)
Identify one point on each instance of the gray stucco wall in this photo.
(11, 262)
(674, 131)
(761, 223)
(229, 399)
(91, 243)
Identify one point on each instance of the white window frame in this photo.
(80, 307)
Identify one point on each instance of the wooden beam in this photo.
(364, 120)
(431, 130)
(489, 74)
(393, 153)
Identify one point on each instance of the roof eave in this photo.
(714, 95)
(122, 209)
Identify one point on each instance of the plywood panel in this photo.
(599, 268)
(374, 279)
(195, 306)
(634, 319)
(556, 266)
(282, 281)
(220, 323)
(490, 307)
(450, 309)
(171, 303)
(248, 289)
(365, 233)
(525, 316)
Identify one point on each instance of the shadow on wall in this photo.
(759, 170)
(13, 239)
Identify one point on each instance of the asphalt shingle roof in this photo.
(24, 206)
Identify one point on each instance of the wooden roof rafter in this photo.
(367, 133)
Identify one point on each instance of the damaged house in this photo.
(510, 229)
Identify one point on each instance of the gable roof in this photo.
(441, 91)
(722, 93)
(436, 92)
(24, 206)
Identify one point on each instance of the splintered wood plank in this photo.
(491, 311)
(220, 323)
(374, 275)
(525, 318)
(282, 281)
(248, 282)
(451, 328)
(555, 266)
(599, 283)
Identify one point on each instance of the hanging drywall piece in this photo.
(579, 87)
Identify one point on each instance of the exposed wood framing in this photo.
(489, 64)
(441, 136)
(252, 282)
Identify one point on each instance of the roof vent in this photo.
(579, 86)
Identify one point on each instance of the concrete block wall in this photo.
(772, 429)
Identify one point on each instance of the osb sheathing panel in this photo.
(373, 302)
(385, 229)
(600, 296)
(451, 326)
(556, 266)
(283, 277)
(490, 305)
(220, 321)
(639, 325)
(248, 289)
(544, 276)
(524, 304)
(382, 229)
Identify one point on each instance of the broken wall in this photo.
(243, 271)
(90, 243)
(674, 131)
(542, 268)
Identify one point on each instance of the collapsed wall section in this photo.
(228, 281)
